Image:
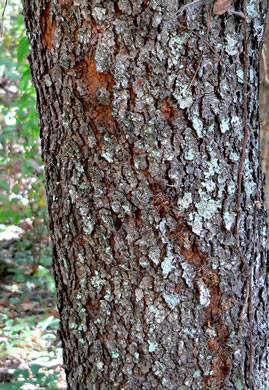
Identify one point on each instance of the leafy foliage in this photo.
(21, 169)
(28, 318)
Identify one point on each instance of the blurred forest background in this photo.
(30, 351)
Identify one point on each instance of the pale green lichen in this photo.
(136, 164)
(207, 207)
(108, 295)
(115, 354)
(47, 80)
(240, 75)
(167, 265)
(107, 156)
(158, 312)
(209, 185)
(251, 74)
(88, 226)
(229, 218)
(84, 186)
(158, 368)
(204, 296)
(231, 46)
(234, 156)
(81, 258)
(211, 332)
(188, 382)
(189, 155)
(252, 9)
(237, 125)
(190, 332)
(155, 255)
(213, 166)
(198, 125)
(97, 282)
(126, 208)
(172, 300)
(176, 42)
(224, 125)
(197, 224)
(152, 346)
(185, 201)
(100, 365)
(73, 325)
(250, 186)
(197, 373)
(73, 194)
(185, 98)
(239, 385)
(79, 168)
(231, 188)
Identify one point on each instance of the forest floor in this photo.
(30, 351)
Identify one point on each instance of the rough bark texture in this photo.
(264, 107)
(141, 178)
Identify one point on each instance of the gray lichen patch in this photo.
(186, 201)
(155, 254)
(167, 265)
(229, 219)
(207, 207)
(172, 300)
(183, 96)
(204, 293)
(224, 125)
(152, 346)
(231, 45)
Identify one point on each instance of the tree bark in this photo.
(154, 289)
(264, 109)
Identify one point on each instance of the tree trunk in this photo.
(264, 109)
(159, 257)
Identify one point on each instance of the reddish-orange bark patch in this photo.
(177, 288)
(117, 9)
(65, 4)
(132, 99)
(193, 255)
(48, 28)
(213, 318)
(168, 113)
(95, 81)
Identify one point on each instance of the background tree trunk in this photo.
(142, 185)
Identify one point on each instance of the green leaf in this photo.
(24, 373)
(23, 49)
(4, 185)
(10, 386)
(25, 78)
(35, 368)
(35, 131)
(15, 189)
(20, 20)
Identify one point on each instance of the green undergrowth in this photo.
(30, 351)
